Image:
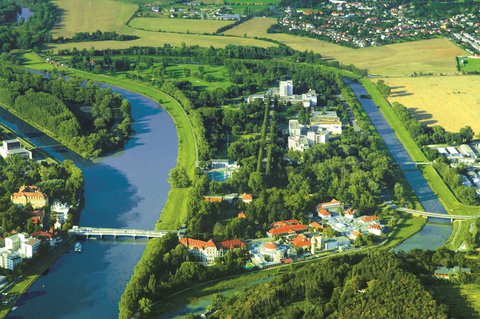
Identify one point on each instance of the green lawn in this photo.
(444, 193)
(461, 229)
(407, 225)
(469, 64)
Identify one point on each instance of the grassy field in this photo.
(178, 25)
(108, 15)
(444, 193)
(463, 300)
(461, 229)
(428, 56)
(469, 64)
(449, 101)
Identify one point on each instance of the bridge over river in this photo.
(436, 215)
(94, 232)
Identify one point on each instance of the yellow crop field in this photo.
(107, 15)
(91, 15)
(178, 25)
(402, 59)
(449, 101)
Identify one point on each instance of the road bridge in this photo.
(437, 215)
(94, 232)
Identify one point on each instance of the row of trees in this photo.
(8, 11)
(58, 107)
(96, 36)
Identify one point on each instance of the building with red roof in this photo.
(350, 213)
(316, 226)
(207, 251)
(322, 213)
(246, 198)
(329, 205)
(301, 241)
(30, 195)
(368, 219)
(375, 229)
(286, 230)
(242, 215)
(213, 199)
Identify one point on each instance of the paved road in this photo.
(414, 176)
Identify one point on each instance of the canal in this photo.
(126, 189)
(435, 232)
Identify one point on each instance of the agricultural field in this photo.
(450, 101)
(402, 59)
(178, 25)
(107, 15)
(467, 65)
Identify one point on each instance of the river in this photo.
(127, 189)
(435, 232)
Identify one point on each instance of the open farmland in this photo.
(178, 25)
(107, 15)
(402, 59)
(91, 15)
(449, 101)
(469, 64)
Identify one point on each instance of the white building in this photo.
(8, 259)
(375, 229)
(206, 251)
(14, 147)
(294, 128)
(30, 247)
(286, 88)
(14, 242)
(318, 137)
(298, 143)
(309, 99)
(327, 120)
(60, 211)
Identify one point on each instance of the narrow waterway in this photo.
(435, 232)
(127, 189)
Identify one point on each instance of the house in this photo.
(241, 215)
(350, 213)
(286, 230)
(246, 198)
(447, 273)
(30, 247)
(368, 219)
(14, 147)
(330, 205)
(301, 241)
(213, 199)
(60, 211)
(30, 195)
(375, 229)
(354, 235)
(207, 251)
(324, 214)
(316, 226)
(9, 260)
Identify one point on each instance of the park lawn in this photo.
(175, 210)
(443, 192)
(469, 64)
(448, 101)
(460, 230)
(407, 226)
(178, 25)
(402, 59)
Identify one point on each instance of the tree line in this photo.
(96, 36)
(88, 119)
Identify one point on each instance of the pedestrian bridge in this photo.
(437, 215)
(93, 232)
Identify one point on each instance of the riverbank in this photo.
(443, 192)
(32, 275)
(175, 210)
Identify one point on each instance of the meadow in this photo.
(449, 101)
(469, 64)
(178, 25)
(107, 15)
(402, 59)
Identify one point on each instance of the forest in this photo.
(63, 182)
(30, 34)
(88, 119)
(376, 285)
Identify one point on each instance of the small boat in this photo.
(78, 247)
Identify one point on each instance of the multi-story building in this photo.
(60, 211)
(206, 251)
(30, 247)
(286, 88)
(327, 120)
(30, 195)
(14, 147)
(9, 260)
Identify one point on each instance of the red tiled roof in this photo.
(247, 197)
(197, 243)
(368, 218)
(324, 213)
(301, 241)
(242, 215)
(42, 234)
(213, 199)
(287, 229)
(332, 202)
(231, 244)
(270, 246)
(316, 225)
(286, 261)
(375, 226)
(350, 211)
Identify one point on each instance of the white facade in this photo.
(286, 88)
(294, 128)
(10, 260)
(309, 99)
(318, 137)
(298, 143)
(60, 211)
(30, 248)
(14, 147)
